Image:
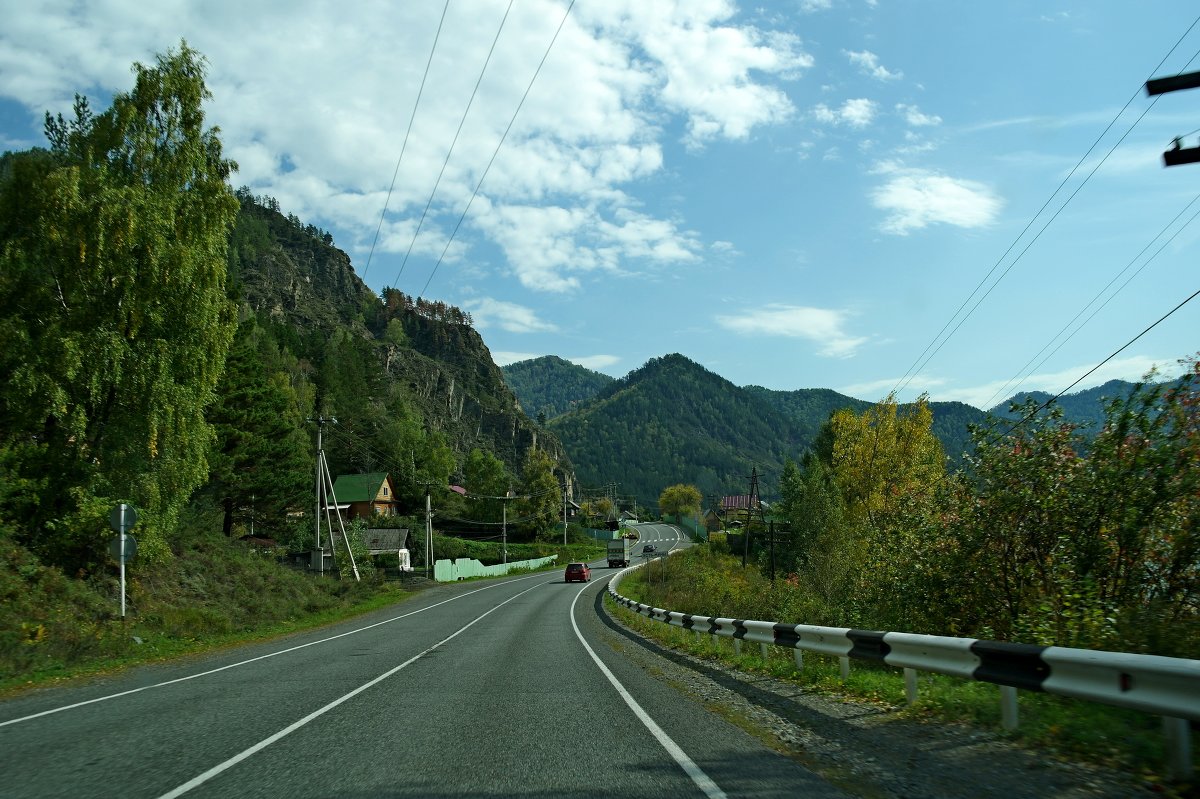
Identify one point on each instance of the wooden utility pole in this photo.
(1178, 154)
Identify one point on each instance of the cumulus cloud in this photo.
(868, 62)
(916, 198)
(508, 316)
(913, 116)
(321, 129)
(856, 113)
(824, 326)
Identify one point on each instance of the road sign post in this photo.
(124, 547)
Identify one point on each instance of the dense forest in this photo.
(550, 386)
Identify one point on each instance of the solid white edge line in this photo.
(288, 730)
(697, 775)
(256, 659)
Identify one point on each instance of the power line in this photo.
(1053, 399)
(1004, 390)
(404, 146)
(450, 152)
(919, 364)
(487, 169)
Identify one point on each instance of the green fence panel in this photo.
(449, 571)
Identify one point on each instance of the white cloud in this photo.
(917, 198)
(810, 6)
(856, 113)
(868, 62)
(596, 362)
(914, 117)
(321, 129)
(987, 395)
(822, 325)
(874, 390)
(506, 316)
(505, 357)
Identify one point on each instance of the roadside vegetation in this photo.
(1044, 536)
(702, 581)
(143, 365)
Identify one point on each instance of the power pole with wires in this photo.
(751, 504)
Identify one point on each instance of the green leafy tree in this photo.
(540, 505)
(485, 476)
(115, 315)
(680, 500)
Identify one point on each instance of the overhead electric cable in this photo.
(450, 152)
(404, 146)
(919, 364)
(495, 152)
(1004, 390)
(1083, 377)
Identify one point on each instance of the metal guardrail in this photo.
(1163, 686)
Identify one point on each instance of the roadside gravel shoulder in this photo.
(866, 749)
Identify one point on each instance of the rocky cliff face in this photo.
(292, 274)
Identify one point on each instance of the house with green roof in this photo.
(367, 495)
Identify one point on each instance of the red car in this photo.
(577, 571)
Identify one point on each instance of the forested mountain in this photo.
(672, 420)
(1084, 407)
(550, 386)
(404, 377)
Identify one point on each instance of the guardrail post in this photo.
(798, 654)
(910, 685)
(845, 664)
(762, 650)
(737, 646)
(1009, 717)
(1178, 733)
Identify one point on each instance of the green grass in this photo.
(1090, 732)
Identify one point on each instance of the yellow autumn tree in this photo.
(885, 456)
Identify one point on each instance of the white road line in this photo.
(702, 780)
(288, 730)
(256, 659)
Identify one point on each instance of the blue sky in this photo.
(795, 194)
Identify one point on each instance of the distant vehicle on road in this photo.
(577, 571)
(619, 550)
(648, 549)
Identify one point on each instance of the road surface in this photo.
(509, 687)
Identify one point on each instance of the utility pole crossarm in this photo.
(1173, 83)
(1181, 155)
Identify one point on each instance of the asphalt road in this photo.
(511, 687)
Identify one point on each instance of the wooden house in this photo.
(367, 495)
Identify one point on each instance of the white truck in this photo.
(619, 550)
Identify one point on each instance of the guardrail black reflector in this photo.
(687, 621)
(739, 627)
(868, 645)
(1018, 665)
(785, 635)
